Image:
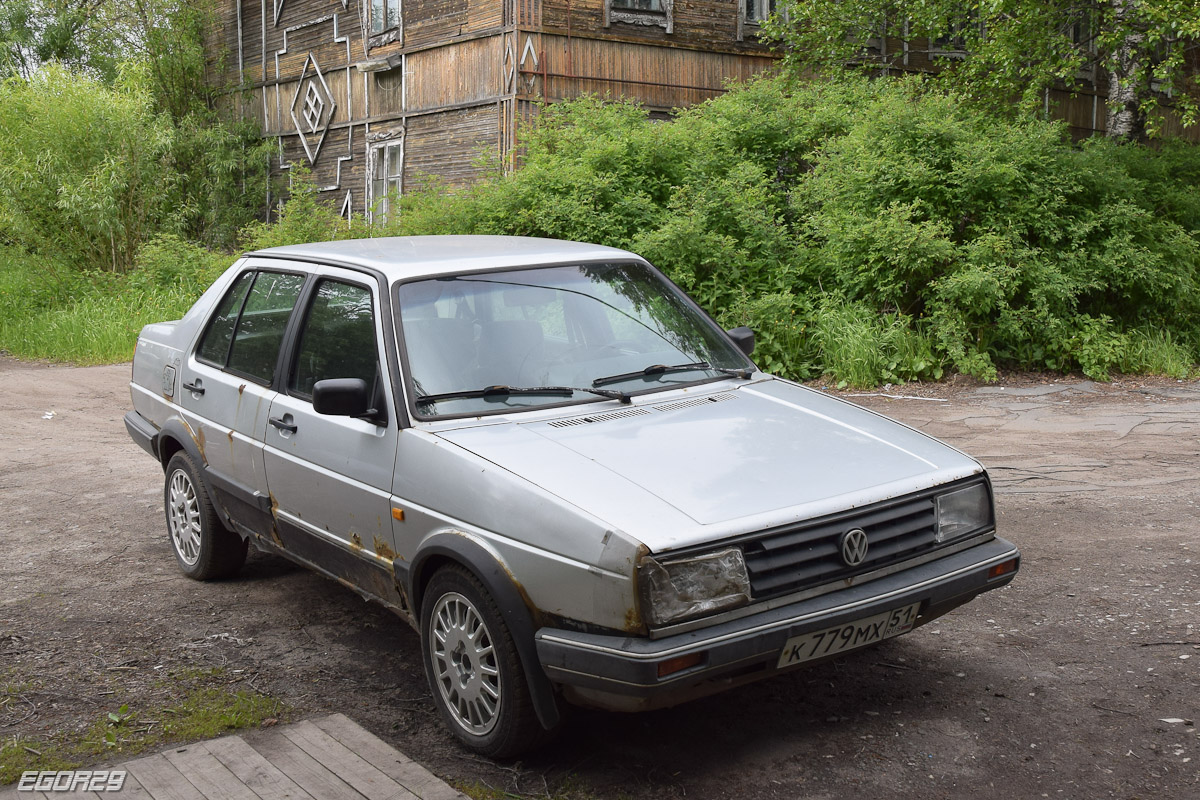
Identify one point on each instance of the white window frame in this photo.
(378, 25)
(384, 33)
(663, 18)
(378, 148)
(762, 10)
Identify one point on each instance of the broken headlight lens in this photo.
(692, 587)
(962, 511)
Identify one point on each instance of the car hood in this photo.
(718, 460)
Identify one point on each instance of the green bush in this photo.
(875, 231)
(1006, 245)
(868, 231)
(56, 312)
(86, 170)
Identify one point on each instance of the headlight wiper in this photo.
(653, 369)
(501, 391)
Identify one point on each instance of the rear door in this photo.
(227, 382)
(330, 476)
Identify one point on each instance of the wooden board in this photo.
(330, 758)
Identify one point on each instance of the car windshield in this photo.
(618, 325)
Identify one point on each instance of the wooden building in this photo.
(373, 95)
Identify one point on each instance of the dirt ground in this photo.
(1080, 680)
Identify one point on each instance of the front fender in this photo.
(515, 608)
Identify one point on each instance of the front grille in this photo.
(797, 557)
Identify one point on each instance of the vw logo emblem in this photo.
(854, 547)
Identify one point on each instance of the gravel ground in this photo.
(1080, 680)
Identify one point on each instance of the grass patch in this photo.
(205, 711)
(859, 348)
(1156, 352)
(19, 754)
(49, 311)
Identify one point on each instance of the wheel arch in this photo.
(175, 436)
(450, 549)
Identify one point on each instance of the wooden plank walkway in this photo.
(331, 758)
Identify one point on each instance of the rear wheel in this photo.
(473, 667)
(203, 547)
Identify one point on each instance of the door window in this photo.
(338, 338)
(245, 334)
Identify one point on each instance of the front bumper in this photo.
(622, 672)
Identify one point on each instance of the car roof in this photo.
(401, 257)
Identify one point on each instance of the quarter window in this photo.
(214, 348)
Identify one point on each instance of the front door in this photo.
(330, 476)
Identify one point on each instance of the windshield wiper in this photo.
(744, 374)
(653, 369)
(501, 391)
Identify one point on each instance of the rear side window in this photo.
(245, 334)
(214, 347)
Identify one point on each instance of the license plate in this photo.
(849, 636)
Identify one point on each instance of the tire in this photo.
(204, 548)
(473, 668)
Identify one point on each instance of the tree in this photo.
(1003, 51)
(89, 36)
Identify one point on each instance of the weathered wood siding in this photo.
(453, 80)
(447, 145)
(431, 22)
(711, 24)
(659, 77)
(466, 72)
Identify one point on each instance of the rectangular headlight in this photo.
(692, 587)
(962, 511)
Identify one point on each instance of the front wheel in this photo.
(203, 547)
(473, 667)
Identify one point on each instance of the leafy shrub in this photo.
(303, 219)
(874, 231)
(86, 169)
(871, 231)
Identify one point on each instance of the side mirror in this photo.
(743, 337)
(342, 397)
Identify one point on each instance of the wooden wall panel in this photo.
(624, 70)
(428, 22)
(446, 145)
(279, 116)
(252, 47)
(220, 51)
(386, 91)
(458, 73)
(343, 153)
(711, 24)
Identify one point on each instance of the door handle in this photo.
(284, 423)
(195, 388)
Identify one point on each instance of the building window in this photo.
(759, 10)
(639, 5)
(387, 176)
(385, 15)
(647, 13)
(957, 39)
